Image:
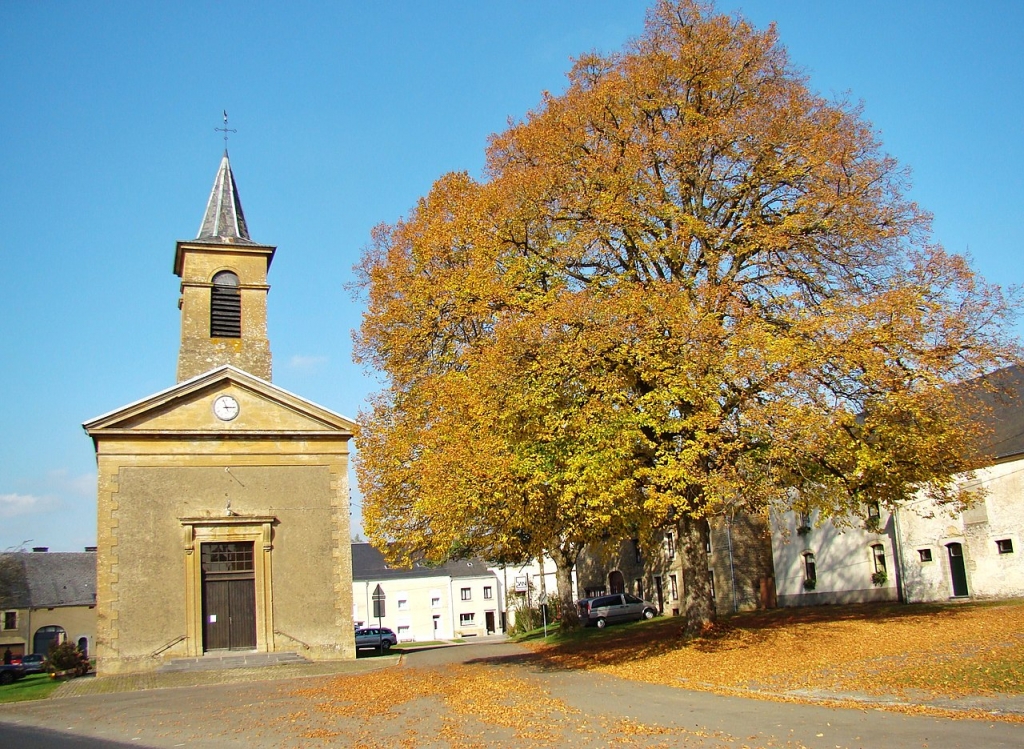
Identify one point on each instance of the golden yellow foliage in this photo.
(688, 285)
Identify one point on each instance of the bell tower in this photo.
(223, 289)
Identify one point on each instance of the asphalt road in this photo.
(513, 700)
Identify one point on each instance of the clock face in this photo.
(225, 408)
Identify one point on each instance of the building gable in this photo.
(257, 408)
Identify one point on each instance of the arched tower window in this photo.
(225, 306)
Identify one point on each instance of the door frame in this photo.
(257, 529)
(962, 564)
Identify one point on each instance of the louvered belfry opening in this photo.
(225, 306)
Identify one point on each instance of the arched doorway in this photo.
(616, 583)
(957, 569)
(46, 637)
(83, 646)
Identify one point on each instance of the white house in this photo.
(921, 552)
(976, 553)
(423, 602)
(818, 562)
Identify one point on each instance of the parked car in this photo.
(11, 672)
(375, 637)
(618, 607)
(34, 663)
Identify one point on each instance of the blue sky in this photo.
(345, 115)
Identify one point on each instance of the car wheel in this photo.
(648, 613)
(601, 623)
(385, 646)
(6, 678)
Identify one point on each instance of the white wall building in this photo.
(976, 553)
(424, 603)
(817, 562)
(926, 552)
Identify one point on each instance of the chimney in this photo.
(90, 548)
(41, 549)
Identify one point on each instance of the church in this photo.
(223, 501)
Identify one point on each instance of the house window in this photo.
(803, 526)
(225, 306)
(10, 620)
(403, 604)
(435, 602)
(466, 620)
(488, 592)
(1005, 546)
(636, 551)
(673, 587)
(810, 574)
(466, 594)
(670, 546)
(711, 579)
(873, 512)
(403, 632)
(926, 554)
(878, 553)
(639, 588)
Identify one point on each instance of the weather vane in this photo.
(225, 130)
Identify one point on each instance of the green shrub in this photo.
(67, 657)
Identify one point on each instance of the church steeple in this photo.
(223, 288)
(224, 219)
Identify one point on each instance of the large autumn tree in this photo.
(686, 286)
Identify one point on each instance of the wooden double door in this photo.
(229, 596)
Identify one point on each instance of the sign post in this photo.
(378, 611)
(542, 599)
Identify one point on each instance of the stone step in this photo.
(232, 659)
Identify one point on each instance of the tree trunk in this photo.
(698, 601)
(565, 561)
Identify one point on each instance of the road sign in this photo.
(378, 602)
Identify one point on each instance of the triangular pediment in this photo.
(224, 401)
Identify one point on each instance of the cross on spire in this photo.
(225, 130)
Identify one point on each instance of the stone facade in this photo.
(196, 264)
(173, 477)
(985, 542)
(223, 501)
(740, 564)
(42, 591)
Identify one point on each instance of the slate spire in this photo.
(224, 220)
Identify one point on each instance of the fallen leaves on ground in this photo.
(919, 652)
(467, 707)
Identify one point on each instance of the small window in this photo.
(467, 594)
(225, 306)
(926, 554)
(466, 620)
(810, 573)
(10, 620)
(488, 592)
(878, 553)
(670, 546)
(873, 511)
(403, 604)
(1005, 546)
(435, 602)
(639, 588)
(673, 587)
(403, 631)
